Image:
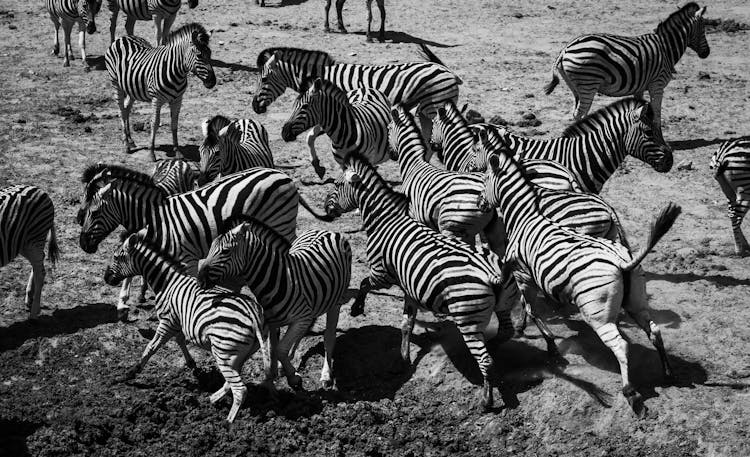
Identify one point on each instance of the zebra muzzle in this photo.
(110, 277)
(483, 204)
(204, 281)
(287, 134)
(87, 243)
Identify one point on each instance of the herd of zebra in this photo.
(203, 235)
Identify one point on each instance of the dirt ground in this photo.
(56, 394)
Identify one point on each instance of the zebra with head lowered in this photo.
(27, 221)
(158, 75)
(294, 282)
(623, 65)
(231, 146)
(355, 121)
(594, 274)
(163, 12)
(69, 12)
(184, 224)
(731, 165)
(593, 147)
(229, 324)
(423, 86)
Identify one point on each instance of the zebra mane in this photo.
(407, 119)
(186, 32)
(119, 172)
(687, 10)
(211, 131)
(151, 245)
(328, 88)
(285, 53)
(594, 120)
(258, 228)
(357, 156)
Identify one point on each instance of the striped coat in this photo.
(163, 12)
(231, 146)
(68, 13)
(731, 165)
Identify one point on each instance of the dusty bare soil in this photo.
(56, 395)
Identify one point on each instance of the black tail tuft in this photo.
(552, 84)
(324, 217)
(429, 55)
(659, 227)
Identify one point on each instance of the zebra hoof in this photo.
(86, 69)
(66, 64)
(357, 309)
(56, 50)
(326, 29)
(320, 171)
(342, 29)
(369, 39)
(328, 384)
(171, 152)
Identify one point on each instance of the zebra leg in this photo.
(311, 136)
(326, 25)
(272, 370)
(584, 99)
(473, 336)
(168, 21)
(610, 336)
(130, 25)
(230, 365)
(737, 212)
(494, 233)
(407, 327)
(189, 360)
(82, 44)
(504, 325)
(358, 307)
(35, 255)
(174, 113)
(67, 29)
(163, 333)
(56, 23)
(528, 297)
(369, 19)
(293, 334)
(381, 7)
(339, 17)
(158, 35)
(657, 93)
(329, 343)
(142, 292)
(156, 104)
(122, 304)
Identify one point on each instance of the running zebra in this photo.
(231, 146)
(139, 71)
(229, 324)
(593, 147)
(731, 165)
(69, 12)
(423, 86)
(342, 29)
(294, 282)
(163, 12)
(592, 273)
(436, 272)
(355, 121)
(617, 66)
(27, 221)
(185, 223)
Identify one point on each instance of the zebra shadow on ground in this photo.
(392, 36)
(719, 280)
(62, 321)
(13, 435)
(189, 151)
(96, 63)
(232, 66)
(283, 3)
(684, 145)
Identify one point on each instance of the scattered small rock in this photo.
(473, 117)
(685, 165)
(139, 126)
(726, 26)
(517, 15)
(498, 120)
(233, 24)
(528, 96)
(702, 75)
(12, 26)
(21, 121)
(529, 116)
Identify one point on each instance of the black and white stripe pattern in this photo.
(340, 19)
(623, 65)
(158, 75)
(295, 282)
(593, 147)
(70, 12)
(355, 121)
(731, 165)
(591, 273)
(230, 146)
(229, 324)
(27, 221)
(436, 272)
(163, 12)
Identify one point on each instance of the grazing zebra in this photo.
(593, 147)
(623, 65)
(355, 121)
(229, 324)
(139, 71)
(185, 223)
(231, 146)
(594, 274)
(163, 12)
(295, 282)
(342, 29)
(436, 272)
(27, 220)
(69, 12)
(731, 165)
(423, 86)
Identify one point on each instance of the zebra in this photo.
(231, 146)
(229, 324)
(592, 273)
(342, 29)
(139, 71)
(617, 66)
(423, 86)
(294, 282)
(27, 220)
(593, 147)
(69, 12)
(163, 13)
(436, 272)
(356, 120)
(185, 223)
(731, 165)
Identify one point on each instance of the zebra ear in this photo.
(441, 112)
(351, 176)
(482, 135)
(394, 113)
(130, 241)
(494, 162)
(271, 61)
(318, 84)
(226, 130)
(700, 12)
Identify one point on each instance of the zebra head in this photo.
(499, 166)
(97, 219)
(342, 198)
(87, 10)
(307, 109)
(486, 141)
(211, 157)
(122, 265)
(192, 4)
(440, 124)
(641, 141)
(198, 56)
(226, 257)
(697, 37)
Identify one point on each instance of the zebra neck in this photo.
(339, 123)
(519, 207)
(181, 66)
(411, 152)
(459, 150)
(674, 38)
(377, 201)
(265, 271)
(139, 207)
(156, 269)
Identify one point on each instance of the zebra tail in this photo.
(427, 54)
(618, 226)
(659, 228)
(552, 84)
(52, 250)
(324, 218)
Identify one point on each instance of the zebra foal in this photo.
(294, 282)
(593, 274)
(158, 75)
(27, 221)
(163, 13)
(231, 146)
(229, 324)
(731, 165)
(617, 66)
(67, 13)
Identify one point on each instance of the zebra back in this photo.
(232, 146)
(175, 176)
(27, 218)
